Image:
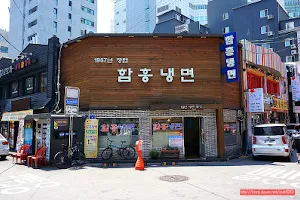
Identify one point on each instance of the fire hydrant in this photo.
(139, 165)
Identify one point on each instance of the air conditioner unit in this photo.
(270, 33)
(293, 46)
(271, 49)
(293, 52)
(270, 16)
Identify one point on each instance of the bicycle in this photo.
(62, 159)
(126, 151)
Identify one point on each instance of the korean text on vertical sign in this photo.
(91, 138)
(231, 57)
(72, 100)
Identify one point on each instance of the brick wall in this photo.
(145, 126)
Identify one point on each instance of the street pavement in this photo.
(211, 181)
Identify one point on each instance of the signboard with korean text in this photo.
(91, 138)
(295, 84)
(72, 95)
(256, 100)
(280, 105)
(60, 124)
(231, 57)
(118, 126)
(175, 141)
(15, 116)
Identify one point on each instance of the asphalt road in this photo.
(211, 181)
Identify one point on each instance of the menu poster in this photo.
(91, 138)
(175, 141)
(256, 100)
(295, 83)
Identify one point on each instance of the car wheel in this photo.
(288, 158)
(3, 157)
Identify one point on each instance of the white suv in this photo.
(4, 148)
(271, 140)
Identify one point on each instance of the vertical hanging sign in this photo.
(256, 100)
(91, 138)
(295, 83)
(71, 100)
(230, 49)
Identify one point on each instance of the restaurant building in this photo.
(167, 90)
(265, 86)
(28, 86)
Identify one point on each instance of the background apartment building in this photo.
(34, 21)
(132, 16)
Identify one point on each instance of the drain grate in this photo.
(174, 178)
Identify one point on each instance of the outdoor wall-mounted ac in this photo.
(293, 46)
(293, 52)
(270, 33)
(270, 16)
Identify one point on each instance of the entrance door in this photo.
(192, 137)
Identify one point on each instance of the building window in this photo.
(226, 30)
(272, 87)
(44, 82)
(178, 10)
(70, 5)
(70, 18)
(55, 27)
(254, 81)
(32, 10)
(225, 16)
(55, 13)
(87, 22)
(290, 25)
(288, 42)
(29, 86)
(3, 49)
(264, 29)
(263, 13)
(69, 31)
(31, 37)
(14, 89)
(91, 1)
(55, 2)
(266, 45)
(31, 24)
(87, 10)
(163, 8)
(124, 21)
(289, 59)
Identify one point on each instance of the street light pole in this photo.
(70, 137)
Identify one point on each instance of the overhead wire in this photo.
(10, 43)
(26, 20)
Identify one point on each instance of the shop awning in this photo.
(15, 116)
(38, 104)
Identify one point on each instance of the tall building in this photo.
(292, 7)
(3, 43)
(133, 16)
(34, 21)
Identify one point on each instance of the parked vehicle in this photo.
(293, 130)
(271, 140)
(4, 147)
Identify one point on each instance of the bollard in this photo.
(139, 165)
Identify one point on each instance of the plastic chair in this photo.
(20, 153)
(40, 158)
(29, 158)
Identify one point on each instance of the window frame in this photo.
(265, 11)
(225, 16)
(290, 42)
(12, 93)
(225, 28)
(267, 29)
(32, 90)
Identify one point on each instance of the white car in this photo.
(271, 140)
(4, 148)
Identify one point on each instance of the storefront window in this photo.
(29, 87)
(254, 81)
(44, 82)
(272, 87)
(230, 133)
(118, 129)
(14, 89)
(163, 128)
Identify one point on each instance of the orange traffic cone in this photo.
(139, 165)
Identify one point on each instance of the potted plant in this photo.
(154, 154)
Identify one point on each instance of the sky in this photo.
(105, 15)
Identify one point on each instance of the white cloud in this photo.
(105, 15)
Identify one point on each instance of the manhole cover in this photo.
(174, 178)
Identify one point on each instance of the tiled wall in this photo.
(145, 125)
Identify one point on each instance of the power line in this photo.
(10, 43)
(273, 37)
(26, 20)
